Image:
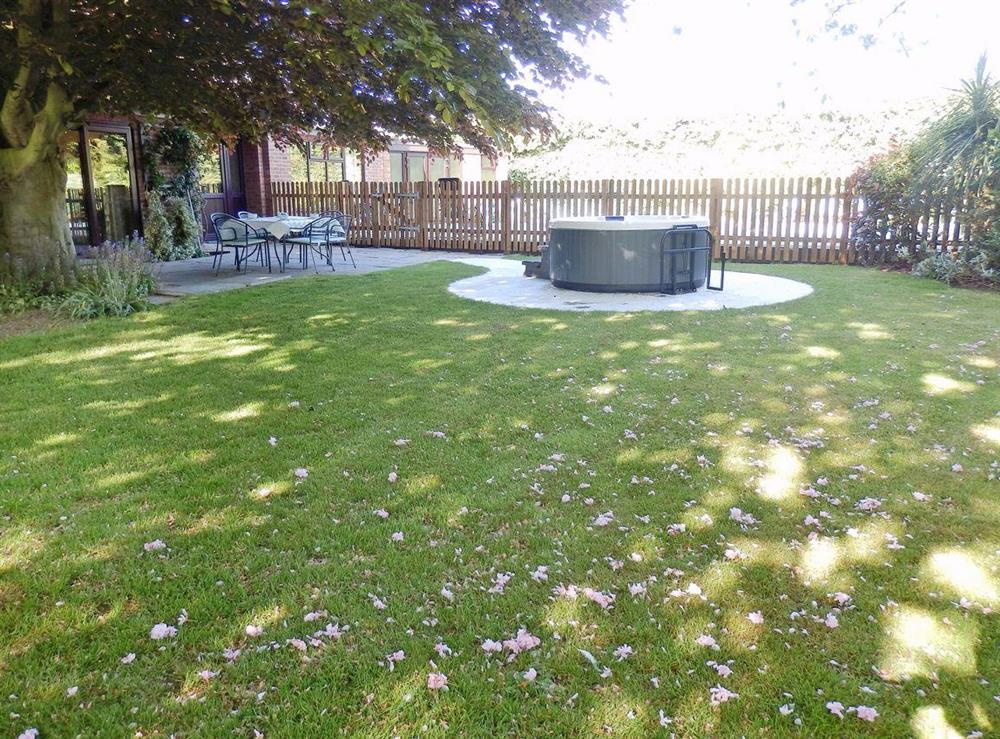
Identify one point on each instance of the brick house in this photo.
(105, 190)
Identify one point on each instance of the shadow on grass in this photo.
(186, 425)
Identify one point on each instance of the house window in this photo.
(450, 167)
(315, 162)
(489, 172)
(407, 166)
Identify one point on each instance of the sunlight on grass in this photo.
(603, 390)
(822, 352)
(988, 432)
(422, 483)
(919, 644)
(563, 615)
(58, 439)
(820, 558)
(250, 410)
(190, 348)
(204, 526)
(783, 477)
(935, 384)
(870, 330)
(981, 362)
(120, 479)
(270, 490)
(613, 714)
(18, 546)
(823, 556)
(930, 722)
(962, 576)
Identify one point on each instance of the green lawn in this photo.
(187, 425)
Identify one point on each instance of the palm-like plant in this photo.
(960, 152)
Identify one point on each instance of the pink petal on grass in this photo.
(437, 681)
(162, 631)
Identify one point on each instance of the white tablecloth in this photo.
(279, 227)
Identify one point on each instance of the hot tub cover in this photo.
(628, 223)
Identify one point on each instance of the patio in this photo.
(196, 276)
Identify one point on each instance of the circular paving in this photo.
(505, 284)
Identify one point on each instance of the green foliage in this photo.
(158, 229)
(173, 154)
(889, 211)
(353, 70)
(974, 271)
(960, 150)
(117, 282)
(184, 228)
(17, 298)
(955, 161)
(172, 232)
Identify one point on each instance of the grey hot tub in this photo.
(627, 254)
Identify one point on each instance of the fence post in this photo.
(846, 219)
(420, 211)
(339, 192)
(607, 196)
(376, 200)
(505, 216)
(715, 213)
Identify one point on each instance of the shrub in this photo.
(890, 212)
(116, 283)
(952, 166)
(17, 298)
(159, 232)
(973, 272)
(184, 228)
(172, 232)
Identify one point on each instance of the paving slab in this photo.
(504, 284)
(196, 276)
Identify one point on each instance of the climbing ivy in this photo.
(172, 156)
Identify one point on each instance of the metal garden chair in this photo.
(314, 237)
(245, 241)
(341, 238)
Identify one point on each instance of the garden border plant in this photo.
(954, 160)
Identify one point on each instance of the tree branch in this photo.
(16, 113)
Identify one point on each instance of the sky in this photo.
(671, 58)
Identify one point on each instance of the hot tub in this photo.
(629, 253)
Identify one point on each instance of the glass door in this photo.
(114, 200)
(220, 180)
(76, 199)
(102, 184)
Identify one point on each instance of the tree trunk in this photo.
(35, 241)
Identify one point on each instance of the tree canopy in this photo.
(355, 70)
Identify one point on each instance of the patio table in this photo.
(280, 227)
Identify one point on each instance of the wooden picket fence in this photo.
(804, 219)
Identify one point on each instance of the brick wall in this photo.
(255, 170)
(377, 169)
(263, 163)
(280, 162)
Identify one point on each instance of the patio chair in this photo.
(219, 251)
(245, 214)
(245, 241)
(315, 237)
(341, 239)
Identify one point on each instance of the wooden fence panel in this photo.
(802, 219)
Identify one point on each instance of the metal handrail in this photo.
(690, 251)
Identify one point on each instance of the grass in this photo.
(120, 432)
